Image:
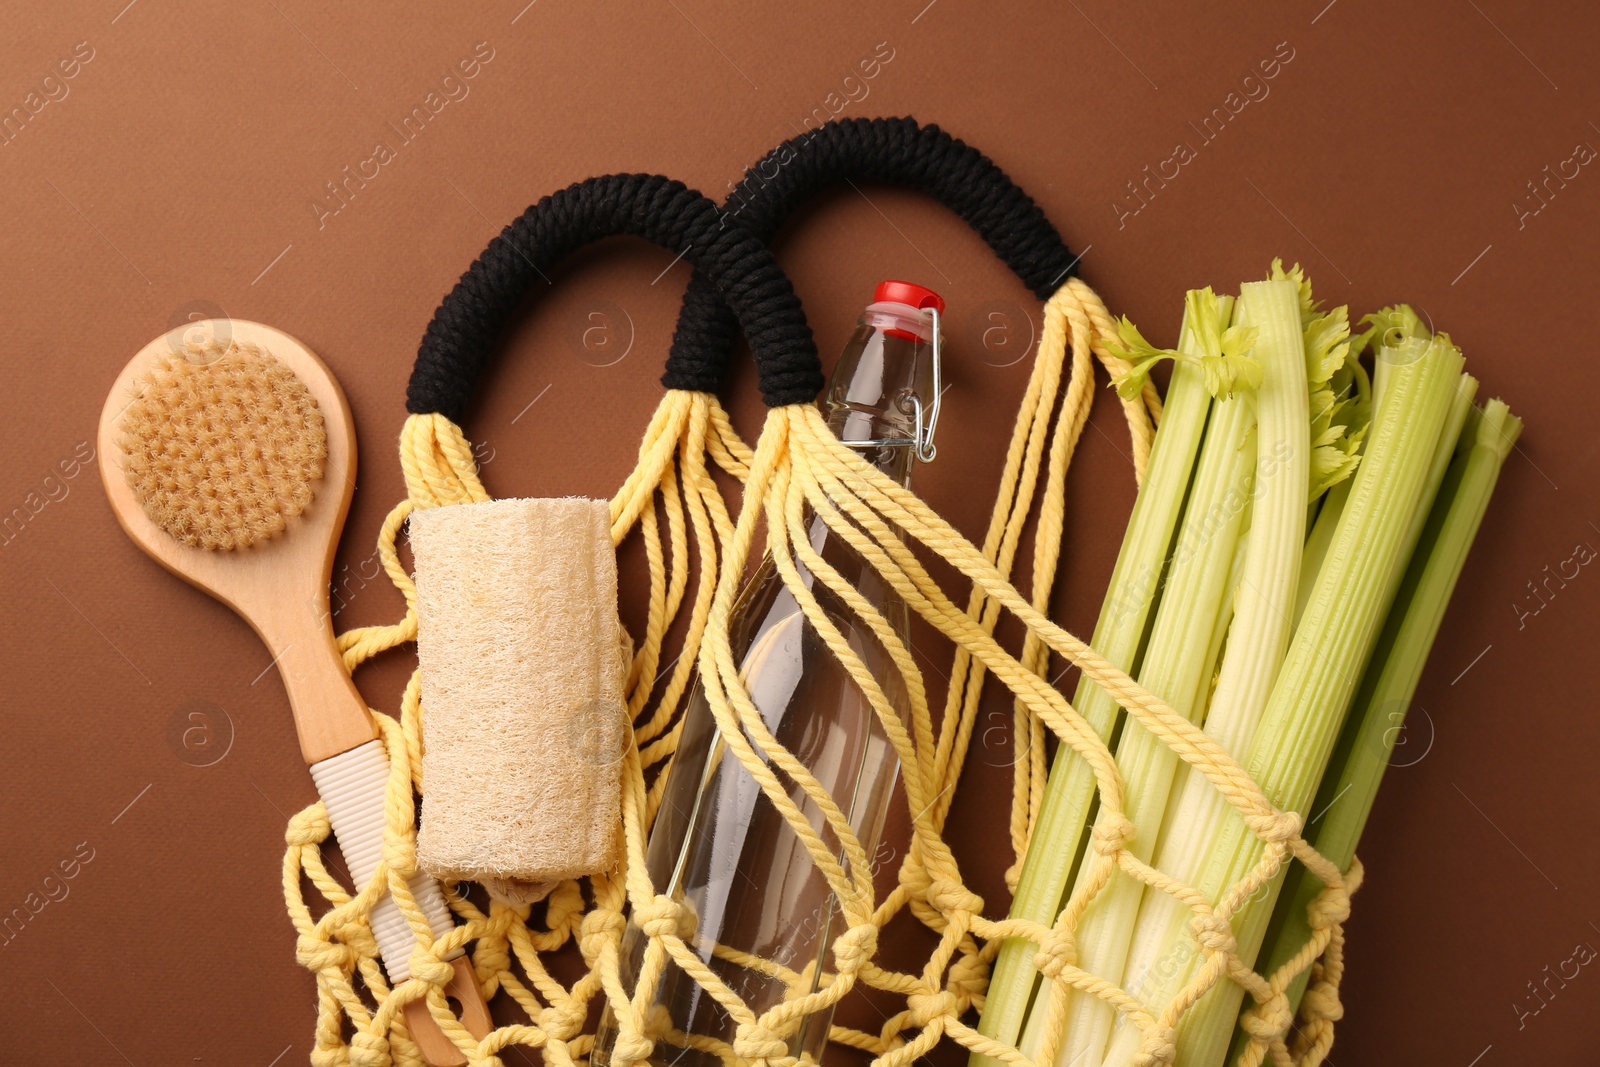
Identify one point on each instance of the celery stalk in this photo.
(1350, 392)
(1118, 635)
(1219, 636)
(1317, 542)
(1174, 667)
(1328, 518)
(1460, 409)
(1261, 627)
(1417, 381)
(1275, 472)
(1277, 531)
(1390, 682)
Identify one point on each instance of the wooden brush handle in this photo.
(330, 714)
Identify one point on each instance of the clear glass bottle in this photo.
(718, 845)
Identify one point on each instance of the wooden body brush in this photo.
(231, 459)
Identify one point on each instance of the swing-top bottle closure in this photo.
(884, 392)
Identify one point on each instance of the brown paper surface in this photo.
(176, 172)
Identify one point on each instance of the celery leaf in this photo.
(1224, 359)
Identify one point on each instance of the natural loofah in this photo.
(524, 667)
(223, 446)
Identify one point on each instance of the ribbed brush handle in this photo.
(352, 785)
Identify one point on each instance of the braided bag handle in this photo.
(733, 263)
(893, 151)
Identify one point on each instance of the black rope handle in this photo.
(735, 264)
(896, 151)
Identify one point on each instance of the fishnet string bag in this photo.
(796, 464)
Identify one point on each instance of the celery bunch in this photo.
(1287, 506)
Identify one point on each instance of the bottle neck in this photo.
(887, 362)
(893, 460)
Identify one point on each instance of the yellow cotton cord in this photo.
(697, 552)
(1075, 321)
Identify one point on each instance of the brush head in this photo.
(163, 420)
(223, 445)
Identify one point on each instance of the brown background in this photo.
(175, 178)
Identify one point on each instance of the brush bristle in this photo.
(223, 446)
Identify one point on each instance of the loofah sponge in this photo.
(524, 718)
(223, 446)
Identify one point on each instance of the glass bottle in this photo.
(718, 846)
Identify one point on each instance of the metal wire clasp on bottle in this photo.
(924, 415)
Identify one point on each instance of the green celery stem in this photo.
(1189, 614)
(1317, 542)
(1391, 679)
(1336, 636)
(1249, 454)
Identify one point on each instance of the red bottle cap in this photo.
(910, 293)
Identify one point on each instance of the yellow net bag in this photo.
(697, 548)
